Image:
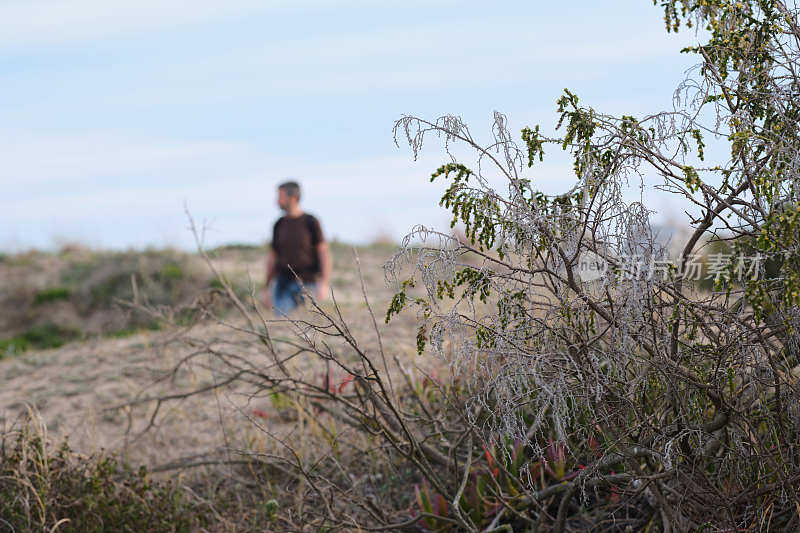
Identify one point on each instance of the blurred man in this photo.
(299, 256)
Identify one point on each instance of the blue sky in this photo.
(115, 114)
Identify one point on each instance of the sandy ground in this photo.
(76, 388)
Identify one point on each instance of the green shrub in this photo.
(171, 271)
(49, 335)
(13, 346)
(127, 332)
(237, 246)
(42, 336)
(51, 295)
(216, 283)
(77, 271)
(162, 278)
(40, 488)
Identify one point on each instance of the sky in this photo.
(117, 117)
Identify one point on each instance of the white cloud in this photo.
(421, 57)
(30, 22)
(36, 22)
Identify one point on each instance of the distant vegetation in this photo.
(54, 298)
(45, 335)
(51, 298)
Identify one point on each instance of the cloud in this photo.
(32, 22)
(421, 57)
(378, 55)
(47, 22)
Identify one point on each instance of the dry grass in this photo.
(76, 387)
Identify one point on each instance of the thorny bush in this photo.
(695, 394)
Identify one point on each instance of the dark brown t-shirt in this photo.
(295, 241)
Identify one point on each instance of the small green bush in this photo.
(49, 335)
(40, 488)
(51, 295)
(42, 336)
(127, 332)
(12, 346)
(215, 283)
(171, 271)
(237, 247)
(77, 271)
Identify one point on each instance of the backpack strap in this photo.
(309, 223)
(310, 228)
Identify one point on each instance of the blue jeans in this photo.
(287, 294)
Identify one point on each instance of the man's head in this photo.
(288, 195)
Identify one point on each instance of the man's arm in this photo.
(326, 265)
(271, 270)
(271, 273)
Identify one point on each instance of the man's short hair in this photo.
(291, 188)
